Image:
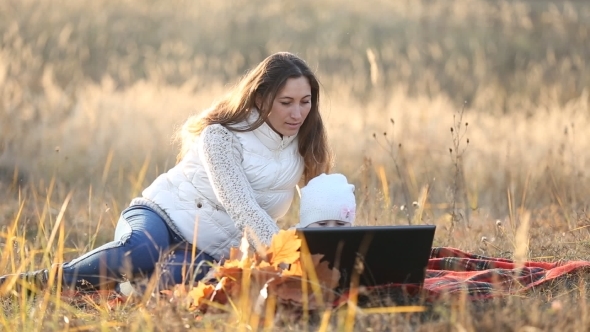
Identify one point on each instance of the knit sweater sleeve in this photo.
(221, 154)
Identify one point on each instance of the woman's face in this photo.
(290, 107)
(330, 223)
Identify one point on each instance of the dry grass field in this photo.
(91, 93)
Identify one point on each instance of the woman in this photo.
(239, 164)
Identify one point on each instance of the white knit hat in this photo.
(327, 197)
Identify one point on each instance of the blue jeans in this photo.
(142, 243)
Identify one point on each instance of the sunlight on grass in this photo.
(92, 92)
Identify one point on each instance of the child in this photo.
(327, 201)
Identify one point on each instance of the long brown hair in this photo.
(263, 83)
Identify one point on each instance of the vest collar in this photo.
(270, 138)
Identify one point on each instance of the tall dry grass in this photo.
(92, 91)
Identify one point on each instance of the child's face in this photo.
(329, 223)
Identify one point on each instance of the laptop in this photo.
(382, 254)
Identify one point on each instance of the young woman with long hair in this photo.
(238, 167)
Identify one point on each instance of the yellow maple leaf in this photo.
(264, 272)
(289, 288)
(284, 248)
(234, 253)
(232, 263)
(294, 270)
(327, 277)
(199, 293)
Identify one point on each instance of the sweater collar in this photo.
(270, 138)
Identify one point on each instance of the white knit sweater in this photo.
(229, 183)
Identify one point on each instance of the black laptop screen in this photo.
(381, 254)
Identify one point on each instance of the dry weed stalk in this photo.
(394, 151)
(459, 189)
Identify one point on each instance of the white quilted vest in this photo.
(273, 167)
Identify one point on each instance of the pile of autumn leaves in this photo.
(258, 284)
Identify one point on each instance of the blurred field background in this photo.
(91, 93)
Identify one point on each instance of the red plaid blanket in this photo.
(452, 271)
